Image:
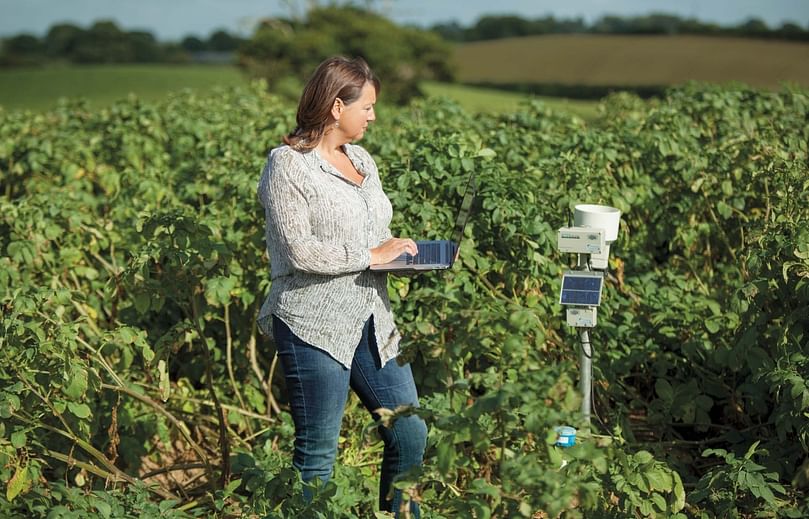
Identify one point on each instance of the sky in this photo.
(174, 19)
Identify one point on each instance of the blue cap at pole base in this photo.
(566, 436)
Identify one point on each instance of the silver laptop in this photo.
(436, 254)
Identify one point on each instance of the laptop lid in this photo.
(465, 208)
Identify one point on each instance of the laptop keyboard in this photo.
(429, 253)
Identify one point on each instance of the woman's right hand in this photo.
(392, 249)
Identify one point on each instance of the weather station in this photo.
(595, 228)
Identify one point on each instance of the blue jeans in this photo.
(318, 388)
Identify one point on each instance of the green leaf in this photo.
(679, 493)
(664, 390)
(142, 302)
(713, 324)
(76, 382)
(646, 508)
(724, 210)
(446, 456)
(18, 439)
(486, 153)
(52, 231)
(232, 486)
(643, 457)
(659, 501)
(467, 164)
(513, 344)
(751, 450)
(145, 349)
(722, 453)
(637, 480)
(102, 507)
(79, 410)
(763, 492)
(521, 319)
(59, 406)
(17, 483)
(218, 290)
(8, 407)
(127, 335)
(166, 505)
(424, 328)
(659, 479)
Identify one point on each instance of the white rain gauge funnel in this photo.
(601, 217)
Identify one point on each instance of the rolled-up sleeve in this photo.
(282, 193)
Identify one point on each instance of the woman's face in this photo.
(354, 117)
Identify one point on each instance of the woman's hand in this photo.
(392, 249)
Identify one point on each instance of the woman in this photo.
(327, 222)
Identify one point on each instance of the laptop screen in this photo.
(464, 209)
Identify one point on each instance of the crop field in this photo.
(490, 100)
(41, 88)
(633, 60)
(134, 382)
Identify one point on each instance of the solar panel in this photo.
(581, 288)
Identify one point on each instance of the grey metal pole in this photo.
(585, 357)
(586, 382)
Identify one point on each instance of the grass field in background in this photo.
(40, 88)
(491, 100)
(582, 59)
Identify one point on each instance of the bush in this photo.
(401, 57)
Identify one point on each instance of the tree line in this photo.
(506, 26)
(105, 42)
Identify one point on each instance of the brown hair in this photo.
(335, 77)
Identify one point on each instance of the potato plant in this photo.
(134, 382)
